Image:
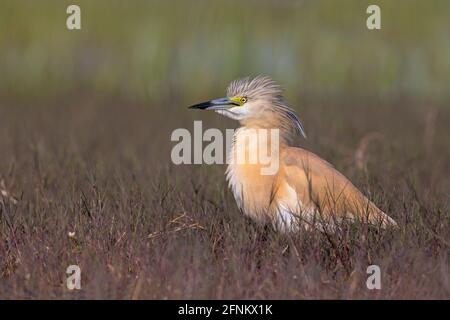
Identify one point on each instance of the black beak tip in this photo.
(201, 106)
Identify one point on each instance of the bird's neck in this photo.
(257, 144)
(254, 161)
(271, 126)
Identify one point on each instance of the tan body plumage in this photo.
(305, 190)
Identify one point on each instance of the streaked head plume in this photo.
(265, 101)
(256, 102)
(259, 87)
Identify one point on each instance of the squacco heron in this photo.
(305, 190)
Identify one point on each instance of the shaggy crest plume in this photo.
(258, 87)
(264, 88)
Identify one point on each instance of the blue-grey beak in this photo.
(216, 104)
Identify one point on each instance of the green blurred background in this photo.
(159, 51)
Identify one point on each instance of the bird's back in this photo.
(310, 186)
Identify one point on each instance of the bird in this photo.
(305, 191)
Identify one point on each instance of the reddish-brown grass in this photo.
(141, 227)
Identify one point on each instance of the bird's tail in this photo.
(378, 217)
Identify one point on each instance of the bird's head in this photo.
(258, 100)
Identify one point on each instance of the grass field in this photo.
(86, 176)
(145, 228)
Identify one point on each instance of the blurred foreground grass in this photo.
(158, 50)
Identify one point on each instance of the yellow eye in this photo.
(243, 100)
